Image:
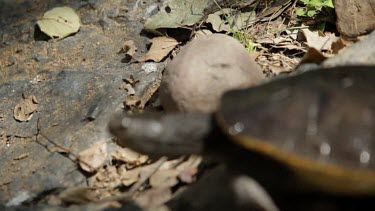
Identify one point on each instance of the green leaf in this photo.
(301, 12)
(311, 13)
(180, 13)
(329, 3)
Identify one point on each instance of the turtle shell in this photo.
(321, 124)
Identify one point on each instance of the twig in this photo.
(62, 148)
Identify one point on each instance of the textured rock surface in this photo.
(355, 17)
(73, 79)
(203, 70)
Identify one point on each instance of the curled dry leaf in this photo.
(314, 40)
(189, 169)
(129, 156)
(153, 198)
(129, 84)
(139, 102)
(131, 80)
(133, 102)
(169, 173)
(160, 48)
(164, 178)
(108, 177)
(129, 89)
(278, 68)
(24, 110)
(340, 44)
(313, 56)
(129, 48)
(93, 158)
(129, 177)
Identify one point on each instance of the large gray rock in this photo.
(203, 70)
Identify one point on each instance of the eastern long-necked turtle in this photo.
(314, 131)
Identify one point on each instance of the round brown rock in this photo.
(203, 70)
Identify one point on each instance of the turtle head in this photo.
(162, 134)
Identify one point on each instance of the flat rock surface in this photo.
(73, 80)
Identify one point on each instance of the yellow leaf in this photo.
(59, 22)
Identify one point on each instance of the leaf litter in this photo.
(93, 158)
(160, 48)
(126, 176)
(24, 110)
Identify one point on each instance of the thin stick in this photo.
(64, 149)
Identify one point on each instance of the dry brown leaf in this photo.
(132, 102)
(192, 161)
(314, 40)
(24, 110)
(129, 84)
(291, 47)
(129, 177)
(93, 158)
(280, 42)
(340, 44)
(160, 48)
(277, 69)
(129, 156)
(152, 198)
(150, 90)
(168, 174)
(164, 178)
(276, 63)
(105, 178)
(292, 34)
(313, 56)
(188, 175)
(129, 89)
(189, 169)
(131, 80)
(265, 40)
(129, 48)
(280, 39)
